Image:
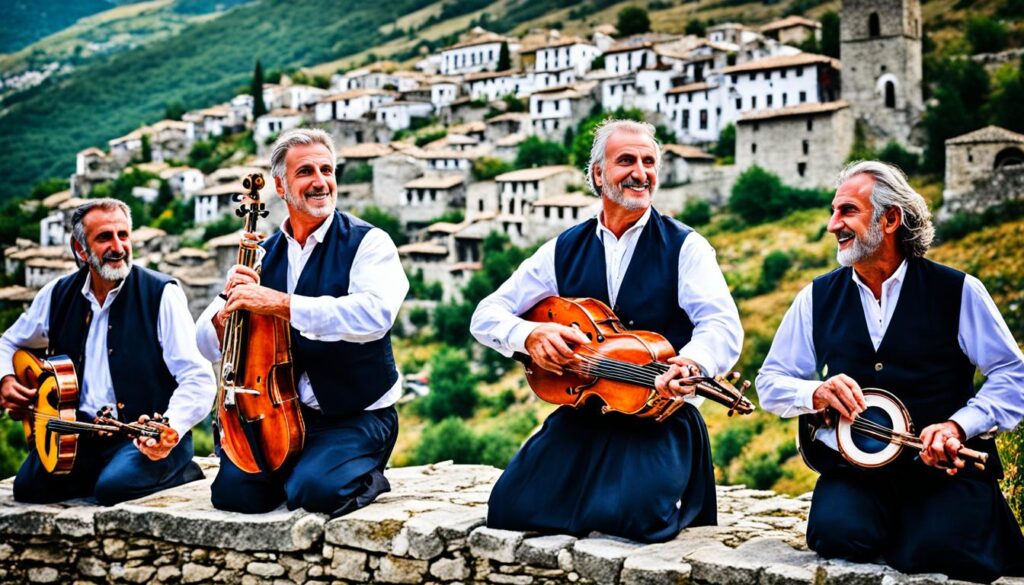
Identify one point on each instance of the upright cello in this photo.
(260, 425)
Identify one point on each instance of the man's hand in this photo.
(14, 397)
(153, 449)
(240, 274)
(942, 444)
(549, 346)
(258, 299)
(842, 393)
(669, 385)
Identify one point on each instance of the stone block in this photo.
(6, 551)
(601, 559)
(76, 522)
(43, 575)
(398, 570)
(168, 573)
(194, 573)
(428, 533)
(450, 569)
(657, 564)
(138, 574)
(51, 555)
(495, 544)
(372, 528)
(235, 560)
(348, 564)
(838, 572)
(92, 567)
(114, 548)
(542, 551)
(265, 569)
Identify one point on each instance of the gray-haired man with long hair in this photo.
(339, 282)
(614, 473)
(131, 337)
(889, 318)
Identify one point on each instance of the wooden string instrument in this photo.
(876, 438)
(618, 365)
(51, 425)
(259, 420)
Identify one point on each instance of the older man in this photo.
(131, 337)
(614, 473)
(340, 283)
(891, 319)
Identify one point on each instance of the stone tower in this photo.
(880, 49)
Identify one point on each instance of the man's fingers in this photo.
(839, 406)
(573, 335)
(559, 347)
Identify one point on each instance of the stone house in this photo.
(694, 112)
(353, 104)
(494, 85)
(984, 168)
(805, 145)
(506, 124)
(428, 197)
(39, 271)
(273, 123)
(184, 181)
(391, 172)
(507, 148)
(443, 91)
(792, 30)
(16, 257)
(398, 115)
(553, 214)
(519, 190)
(681, 164)
(478, 53)
(556, 109)
(449, 160)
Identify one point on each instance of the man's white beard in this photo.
(861, 248)
(299, 202)
(614, 192)
(107, 272)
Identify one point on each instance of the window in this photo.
(753, 148)
(739, 103)
(807, 146)
(764, 75)
(810, 124)
(782, 73)
(874, 26)
(770, 100)
(703, 119)
(480, 205)
(757, 126)
(686, 119)
(784, 96)
(803, 96)
(547, 213)
(801, 168)
(890, 94)
(753, 102)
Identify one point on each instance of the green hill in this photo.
(27, 21)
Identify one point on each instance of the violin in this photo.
(259, 418)
(51, 425)
(618, 365)
(875, 438)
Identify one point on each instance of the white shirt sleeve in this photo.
(31, 330)
(206, 335)
(988, 343)
(377, 287)
(704, 295)
(496, 321)
(193, 398)
(788, 378)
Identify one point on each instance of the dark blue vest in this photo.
(919, 359)
(648, 297)
(346, 377)
(142, 382)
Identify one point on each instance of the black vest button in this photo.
(110, 351)
(878, 367)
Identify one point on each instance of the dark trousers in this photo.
(613, 473)
(918, 521)
(112, 470)
(340, 469)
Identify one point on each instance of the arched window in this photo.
(890, 94)
(874, 28)
(1009, 157)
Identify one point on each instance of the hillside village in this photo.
(796, 114)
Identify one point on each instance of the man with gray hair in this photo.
(130, 335)
(889, 318)
(339, 282)
(614, 473)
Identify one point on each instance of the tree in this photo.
(759, 196)
(725, 148)
(830, 34)
(174, 111)
(385, 221)
(696, 213)
(504, 58)
(957, 107)
(259, 107)
(534, 152)
(147, 150)
(697, 27)
(452, 387)
(1007, 98)
(986, 35)
(633, 20)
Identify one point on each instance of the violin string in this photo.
(636, 374)
(55, 420)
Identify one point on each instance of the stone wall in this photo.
(989, 190)
(429, 529)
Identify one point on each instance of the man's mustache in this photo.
(631, 182)
(115, 257)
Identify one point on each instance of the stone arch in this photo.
(874, 25)
(887, 88)
(1007, 157)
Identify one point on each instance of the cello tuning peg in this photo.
(247, 183)
(264, 214)
(745, 386)
(258, 181)
(240, 212)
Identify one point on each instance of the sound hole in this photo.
(871, 444)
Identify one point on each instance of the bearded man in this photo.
(339, 282)
(130, 335)
(617, 474)
(891, 319)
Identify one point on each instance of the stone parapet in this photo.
(428, 529)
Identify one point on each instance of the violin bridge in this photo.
(230, 391)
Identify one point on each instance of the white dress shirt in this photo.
(788, 378)
(190, 402)
(377, 287)
(703, 295)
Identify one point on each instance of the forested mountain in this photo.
(26, 21)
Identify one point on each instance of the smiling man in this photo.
(613, 473)
(339, 282)
(131, 337)
(888, 318)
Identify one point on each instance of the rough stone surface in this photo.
(428, 529)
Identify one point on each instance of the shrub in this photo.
(452, 388)
(759, 196)
(221, 227)
(428, 137)
(696, 213)
(449, 439)
(535, 152)
(986, 35)
(773, 268)
(725, 148)
(894, 153)
(633, 20)
(729, 442)
(357, 173)
(451, 323)
(486, 168)
(385, 221)
(419, 316)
